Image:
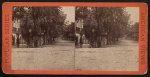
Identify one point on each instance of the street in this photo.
(120, 57)
(51, 57)
(63, 56)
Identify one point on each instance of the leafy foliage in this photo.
(103, 22)
(39, 22)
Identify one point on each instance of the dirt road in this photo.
(60, 56)
(51, 57)
(120, 57)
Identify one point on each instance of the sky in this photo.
(134, 14)
(70, 12)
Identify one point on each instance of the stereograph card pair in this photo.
(74, 38)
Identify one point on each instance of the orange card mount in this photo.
(28, 46)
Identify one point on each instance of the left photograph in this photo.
(43, 38)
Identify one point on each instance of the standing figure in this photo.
(18, 42)
(76, 39)
(81, 40)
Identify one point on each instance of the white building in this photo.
(16, 29)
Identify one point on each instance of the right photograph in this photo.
(106, 38)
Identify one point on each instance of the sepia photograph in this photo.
(75, 38)
(107, 38)
(43, 38)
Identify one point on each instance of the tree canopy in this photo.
(37, 22)
(99, 22)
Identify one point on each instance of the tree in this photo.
(70, 32)
(81, 13)
(52, 20)
(18, 13)
(133, 31)
(40, 23)
(113, 21)
(104, 23)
